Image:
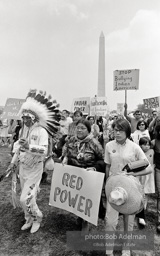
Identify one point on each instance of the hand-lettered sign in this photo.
(82, 104)
(98, 106)
(126, 79)
(151, 102)
(12, 108)
(77, 190)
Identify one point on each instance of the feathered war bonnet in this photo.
(42, 110)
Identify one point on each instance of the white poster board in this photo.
(12, 108)
(82, 104)
(126, 79)
(152, 103)
(98, 106)
(76, 190)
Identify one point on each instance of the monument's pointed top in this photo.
(102, 35)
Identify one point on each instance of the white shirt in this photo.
(31, 166)
(118, 155)
(139, 134)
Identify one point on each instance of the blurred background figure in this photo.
(5, 136)
(152, 124)
(77, 115)
(141, 131)
(14, 128)
(137, 116)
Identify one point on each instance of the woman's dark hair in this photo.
(144, 141)
(90, 117)
(124, 125)
(142, 122)
(86, 123)
(100, 123)
(78, 112)
(100, 119)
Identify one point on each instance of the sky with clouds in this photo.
(53, 45)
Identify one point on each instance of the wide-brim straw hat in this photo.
(125, 194)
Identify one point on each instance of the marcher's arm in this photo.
(95, 130)
(41, 148)
(146, 171)
(140, 155)
(153, 144)
(125, 110)
(107, 170)
(151, 125)
(33, 148)
(125, 113)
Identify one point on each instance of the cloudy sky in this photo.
(53, 45)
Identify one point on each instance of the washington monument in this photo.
(101, 67)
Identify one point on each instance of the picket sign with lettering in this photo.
(151, 103)
(77, 190)
(11, 108)
(82, 104)
(98, 106)
(126, 79)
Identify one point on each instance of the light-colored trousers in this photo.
(112, 220)
(29, 188)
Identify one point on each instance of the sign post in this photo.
(125, 103)
(95, 115)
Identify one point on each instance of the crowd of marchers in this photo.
(105, 144)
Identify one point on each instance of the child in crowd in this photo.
(148, 181)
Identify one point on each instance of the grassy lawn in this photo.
(51, 239)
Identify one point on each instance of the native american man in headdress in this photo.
(40, 120)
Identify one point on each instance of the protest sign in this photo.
(152, 103)
(11, 108)
(98, 106)
(82, 104)
(126, 79)
(77, 190)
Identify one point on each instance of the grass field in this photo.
(51, 239)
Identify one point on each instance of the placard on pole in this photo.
(126, 80)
